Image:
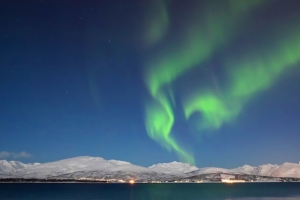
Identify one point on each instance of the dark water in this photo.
(249, 191)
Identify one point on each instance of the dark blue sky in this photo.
(72, 83)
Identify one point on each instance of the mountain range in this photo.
(99, 168)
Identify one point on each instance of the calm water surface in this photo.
(65, 191)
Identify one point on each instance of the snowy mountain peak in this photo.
(17, 165)
(4, 162)
(247, 167)
(5, 167)
(82, 164)
(11, 166)
(85, 166)
(118, 162)
(287, 170)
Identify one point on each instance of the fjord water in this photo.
(74, 191)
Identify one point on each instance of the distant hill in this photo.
(99, 168)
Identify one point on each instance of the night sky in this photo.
(211, 83)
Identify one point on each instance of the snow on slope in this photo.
(17, 165)
(284, 170)
(7, 167)
(78, 164)
(173, 167)
(263, 170)
(287, 170)
(210, 170)
(86, 166)
(32, 164)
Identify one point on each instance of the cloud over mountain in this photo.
(6, 154)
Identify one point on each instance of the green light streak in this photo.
(198, 44)
(259, 72)
(200, 41)
(159, 122)
(249, 75)
(213, 109)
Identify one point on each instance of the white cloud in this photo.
(4, 154)
(23, 154)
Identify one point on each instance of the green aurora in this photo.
(254, 72)
(201, 40)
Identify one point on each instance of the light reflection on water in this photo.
(267, 198)
(56, 191)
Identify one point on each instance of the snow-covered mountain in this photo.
(210, 170)
(93, 167)
(287, 170)
(10, 166)
(263, 170)
(173, 167)
(78, 165)
(97, 167)
(284, 170)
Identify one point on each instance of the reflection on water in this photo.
(267, 198)
(63, 191)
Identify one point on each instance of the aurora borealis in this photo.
(197, 46)
(173, 80)
(248, 76)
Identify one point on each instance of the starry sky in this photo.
(210, 83)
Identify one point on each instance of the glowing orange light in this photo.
(232, 181)
(131, 181)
